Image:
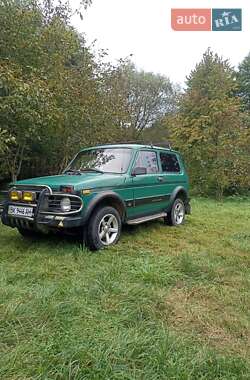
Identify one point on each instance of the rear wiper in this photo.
(91, 170)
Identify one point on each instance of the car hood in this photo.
(85, 180)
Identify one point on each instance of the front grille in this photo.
(54, 203)
(50, 203)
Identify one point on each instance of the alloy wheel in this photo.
(108, 229)
(179, 213)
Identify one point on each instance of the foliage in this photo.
(44, 61)
(57, 96)
(26, 107)
(149, 97)
(210, 128)
(243, 77)
(160, 132)
(163, 304)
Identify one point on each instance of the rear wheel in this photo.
(176, 216)
(104, 228)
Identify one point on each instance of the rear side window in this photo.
(169, 163)
(148, 160)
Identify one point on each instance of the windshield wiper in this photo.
(80, 171)
(91, 170)
(72, 171)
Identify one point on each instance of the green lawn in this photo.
(165, 303)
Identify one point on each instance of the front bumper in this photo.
(60, 221)
(41, 220)
(49, 221)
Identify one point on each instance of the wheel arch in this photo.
(107, 198)
(179, 192)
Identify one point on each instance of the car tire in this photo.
(104, 228)
(176, 216)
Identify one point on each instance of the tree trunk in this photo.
(15, 171)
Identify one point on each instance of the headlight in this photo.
(65, 204)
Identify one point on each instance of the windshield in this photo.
(107, 160)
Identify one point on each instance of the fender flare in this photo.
(104, 195)
(174, 193)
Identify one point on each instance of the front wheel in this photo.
(104, 228)
(176, 216)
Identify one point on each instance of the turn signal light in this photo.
(28, 196)
(86, 191)
(15, 195)
(67, 189)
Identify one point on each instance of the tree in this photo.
(210, 128)
(56, 96)
(148, 97)
(243, 78)
(26, 106)
(42, 58)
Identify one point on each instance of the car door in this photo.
(148, 196)
(171, 171)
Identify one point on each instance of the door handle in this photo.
(160, 179)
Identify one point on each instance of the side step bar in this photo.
(146, 218)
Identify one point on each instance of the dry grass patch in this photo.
(203, 312)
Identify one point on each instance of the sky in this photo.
(143, 28)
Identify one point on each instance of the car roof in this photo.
(132, 146)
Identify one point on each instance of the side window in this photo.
(147, 160)
(169, 163)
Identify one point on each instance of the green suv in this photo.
(102, 188)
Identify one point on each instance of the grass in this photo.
(165, 303)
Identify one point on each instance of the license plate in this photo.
(20, 211)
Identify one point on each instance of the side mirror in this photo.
(138, 171)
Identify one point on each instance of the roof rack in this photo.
(164, 144)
